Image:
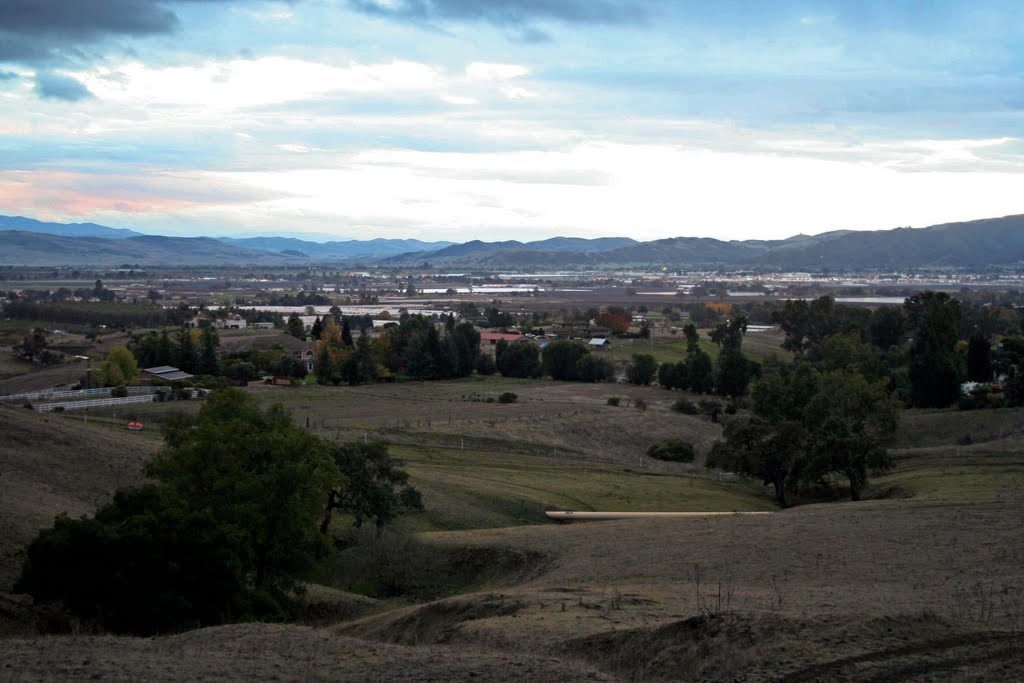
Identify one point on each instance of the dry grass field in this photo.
(924, 582)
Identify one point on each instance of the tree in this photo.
(734, 370)
(518, 359)
(935, 366)
(209, 357)
(295, 326)
(146, 564)
(222, 535)
(186, 356)
(848, 421)
(642, 370)
(772, 452)
(317, 328)
(887, 327)
(346, 334)
(701, 373)
(32, 345)
(372, 488)
(120, 367)
(465, 341)
(560, 360)
(615, 320)
(979, 358)
(254, 470)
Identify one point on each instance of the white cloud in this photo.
(599, 188)
(243, 83)
(457, 99)
(493, 71)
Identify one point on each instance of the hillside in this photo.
(994, 241)
(64, 229)
(51, 464)
(346, 249)
(21, 248)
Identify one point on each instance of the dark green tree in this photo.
(979, 358)
(935, 366)
(223, 534)
(346, 334)
(518, 359)
(209, 355)
(560, 360)
(642, 370)
(187, 356)
(295, 326)
(848, 422)
(373, 485)
(734, 370)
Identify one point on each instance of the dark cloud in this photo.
(509, 12)
(56, 87)
(45, 30)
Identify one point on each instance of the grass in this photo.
(477, 489)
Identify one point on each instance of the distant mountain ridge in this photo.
(375, 248)
(65, 229)
(970, 244)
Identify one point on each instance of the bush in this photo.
(507, 397)
(685, 406)
(613, 401)
(640, 404)
(672, 450)
(731, 408)
(120, 391)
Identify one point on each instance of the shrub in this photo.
(730, 408)
(507, 397)
(640, 404)
(685, 406)
(672, 450)
(120, 391)
(613, 401)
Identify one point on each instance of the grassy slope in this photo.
(50, 464)
(893, 589)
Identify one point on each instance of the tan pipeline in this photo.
(569, 515)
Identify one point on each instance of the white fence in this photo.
(50, 394)
(95, 403)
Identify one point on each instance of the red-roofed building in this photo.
(494, 337)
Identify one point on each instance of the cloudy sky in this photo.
(511, 119)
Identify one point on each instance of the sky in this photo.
(511, 119)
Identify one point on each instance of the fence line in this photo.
(48, 394)
(95, 402)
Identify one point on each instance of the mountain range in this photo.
(971, 244)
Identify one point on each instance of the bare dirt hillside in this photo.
(51, 464)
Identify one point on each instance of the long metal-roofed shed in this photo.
(166, 373)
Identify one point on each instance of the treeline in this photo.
(96, 313)
(416, 348)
